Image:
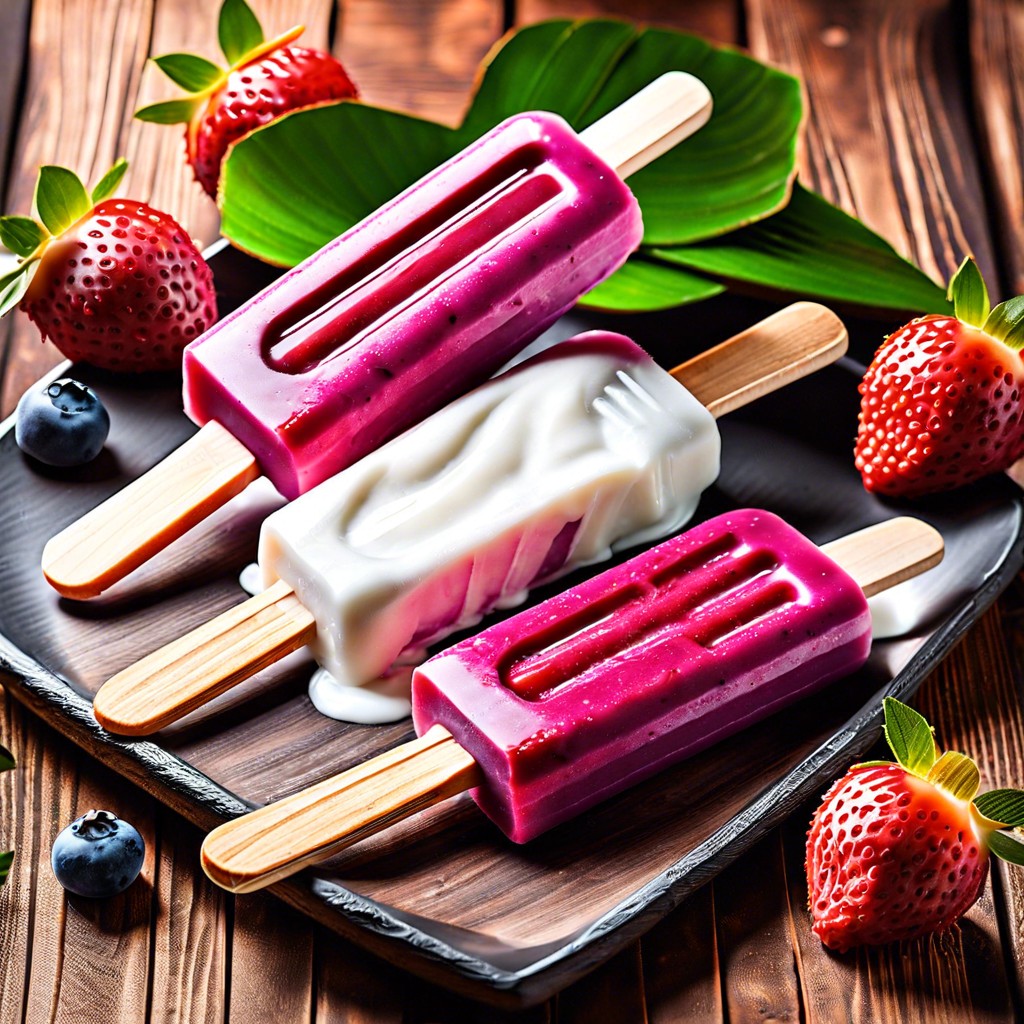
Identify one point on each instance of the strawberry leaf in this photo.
(6, 759)
(1005, 806)
(643, 285)
(108, 183)
(60, 198)
(1005, 847)
(169, 111)
(22, 235)
(238, 30)
(968, 294)
(1006, 323)
(14, 284)
(909, 737)
(191, 72)
(6, 859)
(955, 773)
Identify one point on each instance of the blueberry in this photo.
(98, 855)
(62, 423)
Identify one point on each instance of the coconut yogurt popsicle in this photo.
(565, 704)
(582, 450)
(416, 304)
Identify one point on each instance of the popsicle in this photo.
(418, 303)
(567, 703)
(582, 450)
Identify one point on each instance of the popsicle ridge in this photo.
(416, 304)
(626, 709)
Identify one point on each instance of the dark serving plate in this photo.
(444, 894)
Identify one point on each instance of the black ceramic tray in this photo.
(444, 894)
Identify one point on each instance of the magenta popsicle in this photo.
(415, 305)
(603, 685)
(570, 702)
(409, 309)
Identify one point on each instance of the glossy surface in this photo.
(583, 450)
(414, 305)
(608, 683)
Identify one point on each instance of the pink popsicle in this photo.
(570, 702)
(418, 303)
(415, 305)
(603, 685)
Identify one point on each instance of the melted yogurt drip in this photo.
(376, 703)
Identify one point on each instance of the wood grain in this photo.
(716, 19)
(886, 122)
(428, 63)
(997, 87)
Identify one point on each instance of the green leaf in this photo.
(108, 183)
(238, 30)
(955, 773)
(169, 111)
(1006, 848)
(1006, 322)
(6, 759)
(356, 158)
(736, 169)
(191, 72)
(641, 285)
(22, 235)
(968, 294)
(1005, 806)
(909, 737)
(14, 284)
(6, 859)
(814, 249)
(60, 198)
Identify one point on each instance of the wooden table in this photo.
(915, 124)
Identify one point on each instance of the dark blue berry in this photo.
(98, 855)
(62, 423)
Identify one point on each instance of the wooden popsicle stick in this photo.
(273, 842)
(780, 349)
(131, 526)
(650, 122)
(880, 556)
(177, 679)
(280, 838)
(189, 672)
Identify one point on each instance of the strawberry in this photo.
(264, 80)
(898, 850)
(941, 402)
(109, 281)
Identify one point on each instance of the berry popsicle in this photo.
(415, 305)
(567, 703)
(582, 450)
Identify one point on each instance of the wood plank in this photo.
(755, 937)
(12, 63)
(191, 931)
(715, 19)
(681, 964)
(354, 988)
(997, 79)
(888, 131)
(57, 944)
(432, 50)
(1008, 883)
(271, 962)
(613, 993)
